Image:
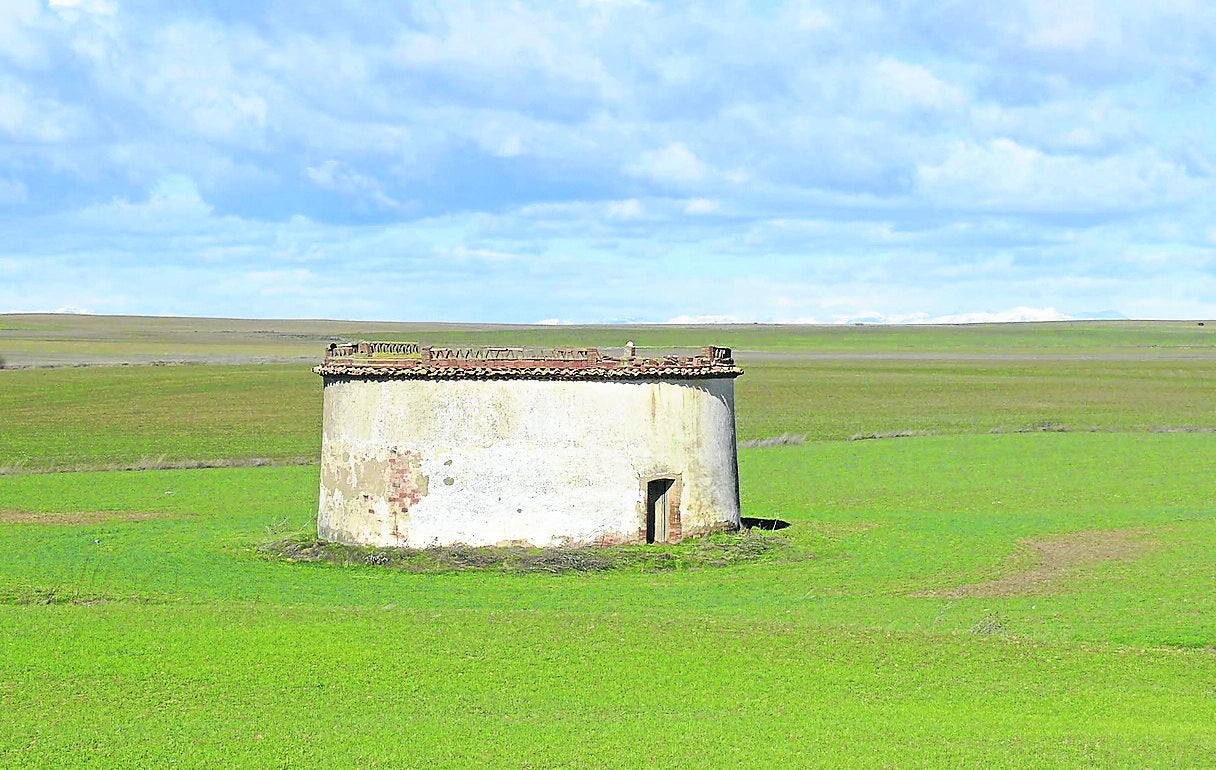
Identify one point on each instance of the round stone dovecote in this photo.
(427, 446)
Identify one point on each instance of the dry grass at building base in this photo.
(720, 550)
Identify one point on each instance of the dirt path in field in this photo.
(1056, 559)
(76, 518)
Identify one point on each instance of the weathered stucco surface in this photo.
(545, 462)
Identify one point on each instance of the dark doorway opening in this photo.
(658, 505)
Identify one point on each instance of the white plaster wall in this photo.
(493, 462)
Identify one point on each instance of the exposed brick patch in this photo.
(675, 529)
(675, 498)
(406, 483)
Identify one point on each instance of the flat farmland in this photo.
(933, 380)
(999, 555)
(66, 340)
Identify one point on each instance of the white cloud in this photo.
(13, 191)
(510, 146)
(626, 210)
(175, 187)
(73, 10)
(465, 253)
(892, 84)
(1071, 26)
(22, 29)
(691, 320)
(1006, 175)
(701, 206)
(173, 205)
(499, 42)
(28, 116)
(812, 19)
(1092, 126)
(673, 163)
(284, 283)
(1014, 315)
(336, 175)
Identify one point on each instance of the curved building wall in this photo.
(422, 462)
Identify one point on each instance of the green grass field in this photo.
(1028, 582)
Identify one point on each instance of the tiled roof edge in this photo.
(608, 373)
(411, 360)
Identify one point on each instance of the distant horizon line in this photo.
(976, 319)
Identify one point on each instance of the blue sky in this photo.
(609, 161)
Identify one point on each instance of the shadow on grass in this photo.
(751, 522)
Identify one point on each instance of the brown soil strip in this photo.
(160, 465)
(1056, 559)
(76, 518)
